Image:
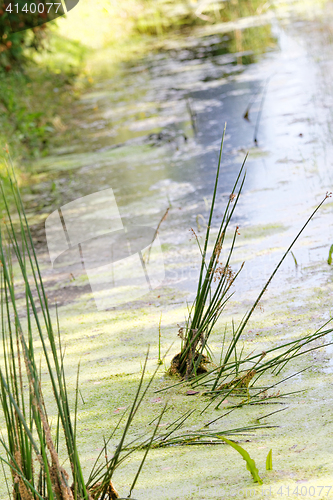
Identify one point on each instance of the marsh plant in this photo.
(31, 445)
(35, 444)
(213, 293)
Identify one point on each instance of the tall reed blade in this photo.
(31, 453)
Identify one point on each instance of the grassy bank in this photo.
(34, 101)
(32, 98)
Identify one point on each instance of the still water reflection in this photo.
(153, 131)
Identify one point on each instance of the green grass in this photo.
(33, 100)
(31, 447)
(34, 104)
(330, 252)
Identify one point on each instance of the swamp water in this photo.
(152, 134)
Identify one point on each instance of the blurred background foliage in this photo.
(29, 33)
(118, 20)
(44, 68)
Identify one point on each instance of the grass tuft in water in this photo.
(236, 373)
(213, 291)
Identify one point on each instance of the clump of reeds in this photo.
(215, 281)
(213, 292)
(31, 447)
